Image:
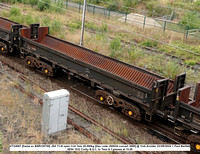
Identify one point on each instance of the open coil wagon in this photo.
(140, 94)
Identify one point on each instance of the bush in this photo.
(44, 5)
(94, 1)
(155, 10)
(113, 6)
(191, 19)
(197, 2)
(127, 4)
(33, 2)
(58, 6)
(15, 11)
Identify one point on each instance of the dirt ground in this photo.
(20, 117)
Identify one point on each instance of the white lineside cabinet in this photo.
(54, 111)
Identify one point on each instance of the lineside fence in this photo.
(162, 23)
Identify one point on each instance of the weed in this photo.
(55, 26)
(103, 28)
(15, 11)
(115, 46)
(46, 21)
(5, 13)
(90, 25)
(171, 69)
(149, 43)
(18, 19)
(29, 19)
(37, 19)
(124, 132)
(190, 62)
(135, 53)
(74, 24)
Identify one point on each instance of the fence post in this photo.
(104, 11)
(165, 25)
(126, 17)
(144, 21)
(187, 32)
(66, 3)
(79, 7)
(109, 14)
(93, 9)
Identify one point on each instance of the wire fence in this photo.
(143, 21)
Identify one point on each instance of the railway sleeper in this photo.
(44, 67)
(128, 109)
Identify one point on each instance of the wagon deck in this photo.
(6, 24)
(140, 77)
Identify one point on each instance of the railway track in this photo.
(154, 128)
(80, 114)
(153, 50)
(49, 39)
(147, 49)
(72, 110)
(5, 7)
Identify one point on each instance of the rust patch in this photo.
(4, 24)
(42, 32)
(184, 94)
(196, 102)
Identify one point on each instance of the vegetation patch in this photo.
(149, 43)
(115, 47)
(15, 11)
(182, 53)
(44, 5)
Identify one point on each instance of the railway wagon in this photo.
(9, 38)
(118, 83)
(137, 92)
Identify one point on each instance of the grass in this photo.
(112, 47)
(181, 53)
(17, 112)
(149, 43)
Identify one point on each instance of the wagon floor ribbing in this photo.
(101, 62)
